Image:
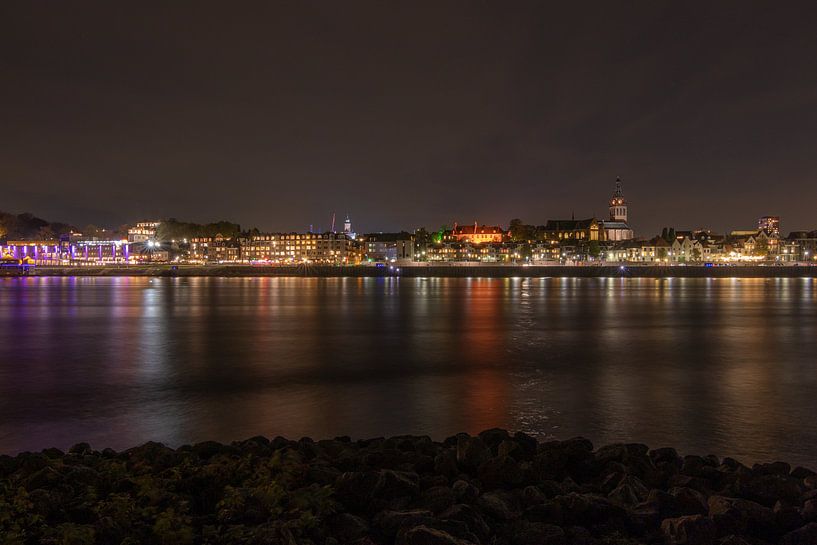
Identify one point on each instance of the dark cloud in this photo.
(408, 113)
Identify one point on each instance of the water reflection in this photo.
(725, 366)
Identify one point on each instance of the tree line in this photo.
(27, 226)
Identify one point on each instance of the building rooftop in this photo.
(569, 225)
(477, 230)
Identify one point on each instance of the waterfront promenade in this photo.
(441, 271)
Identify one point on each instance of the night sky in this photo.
(409, 114)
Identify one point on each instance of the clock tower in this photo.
(618, 206)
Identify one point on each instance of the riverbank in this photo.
(497, 488)
(440, 271)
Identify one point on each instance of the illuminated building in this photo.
(449, 251)
(100, 251)
(215, 249)
(574, 230)
(476, 234)
(490, 252)
(614, 229)
(801, 244)
(43, 252)
(655, 250)
(66, 252)
(347, 228)
(751, 245)
(324, 248)
(629, 250)
(143, 231)
(544, 253)
(770, 224)
(617, 228)
(686, 249)
(387, 246)
(789, 251)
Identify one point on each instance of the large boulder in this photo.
(689, 530)
(322, 473)
(668, 505)
(425, 535)
(739, 516)
(767, 488)
(809, 511)
(494, 437)
(471, 453)
(347, 528)
(704, 486)
(362, 491)
(690, 501)
(523, 532)
(800, 472)
(388, 522)
(549, 511)
(355, 489)
(500, 472)
(775, 468)
(468, 515)
(807, 535)
(643, 518)
(590, 510)
(733, 540)
(527, 445)
(397, 484)
(666, 459)
(496, 505)
(433, 531)
(787, 517)
(445, 463)
(437, 498)
(555, 460)
(630, 491)
(465, 492)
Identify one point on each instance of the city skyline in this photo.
(276, 115)
(447, 272)
(335, 222)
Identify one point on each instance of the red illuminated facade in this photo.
(476, 234)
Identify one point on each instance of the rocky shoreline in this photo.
(494, 488)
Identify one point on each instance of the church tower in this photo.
(618, 206)
(347, 228)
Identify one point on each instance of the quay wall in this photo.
(442, 271)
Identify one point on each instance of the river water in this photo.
(724, 366)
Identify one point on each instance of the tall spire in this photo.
(618, 205)
(347, 227)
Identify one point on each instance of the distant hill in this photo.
(29, 226)
(173, 229)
